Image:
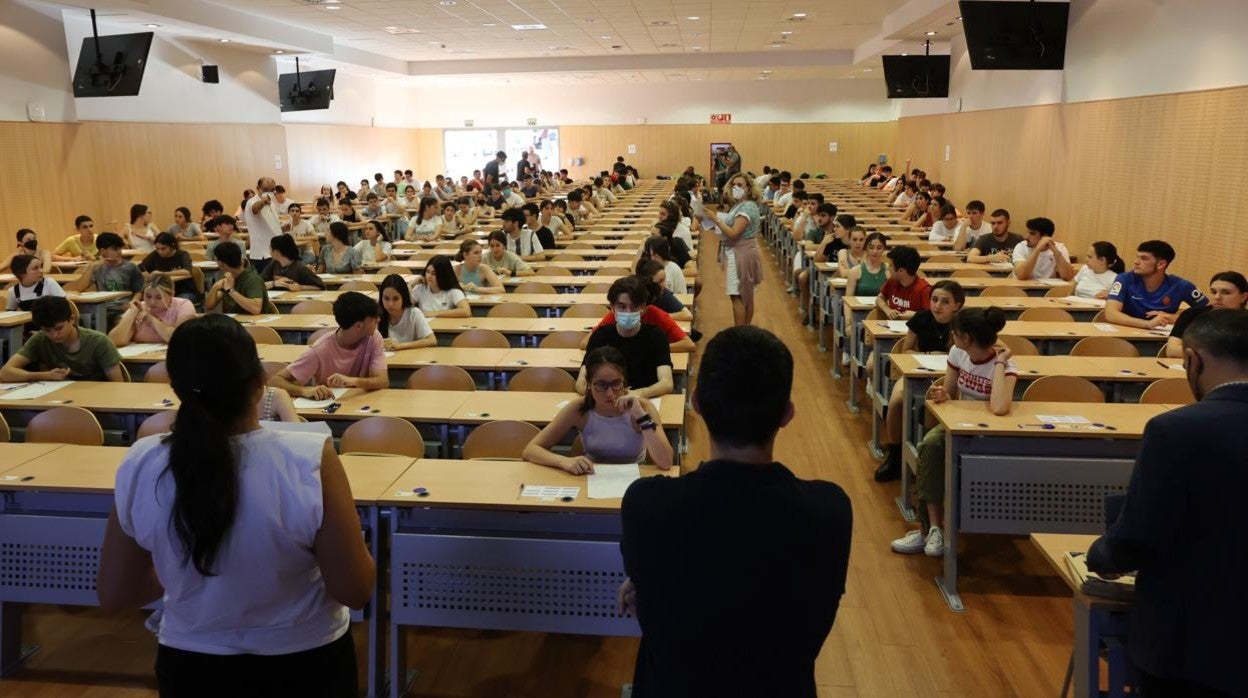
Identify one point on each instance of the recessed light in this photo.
(696, 48)
(766, 72)
(777, 44)
(604, 37)
(279, 51)
(224, 41)
(867, 70)
(151, 25)
(959, 18)
(693, 18)
(489, 24)
(799, 14)
(905, 54)
(931, 33)
(786, 33)
(446, 3)
(435, 43)
(333, 7)
(528, 27)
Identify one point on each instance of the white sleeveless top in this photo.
(268, 596)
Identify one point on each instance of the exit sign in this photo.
(721, 118)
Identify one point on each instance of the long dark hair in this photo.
(1109, 253)
(397, 283)
(602, 356)
(425, 203)
(214, 369)
(444, 272)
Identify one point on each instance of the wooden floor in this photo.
(893, 635)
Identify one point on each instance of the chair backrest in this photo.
(312, 338)
(970, 274)
(612, 271)
(383, 435)
(1019, 346)
(501, 439)
(943, 258)
(392, 269)
(566, 339)
(512, 310)
(5, 435)
(268, 307)
(263, 334)
(586, 310)
(272, 368)
(65, 425)
(480, 338)
(1104, 346)
(314, 308)
(555, 271)
(197, 278)
(158, 423)
(125, 373)
(596, 288)
(535, 287)
(1046, 315)
(543, 379)
(157, 373)
(1168, 391)
(441, 377)
(1060, 291)
(1063, 389)
(623, 257)
(1099, 317)
(567, 257)
(365, 287)
(1003, 292)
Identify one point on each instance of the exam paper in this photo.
(6, 314)
(896, 325)
(1104, 327)
(317, 427)
(276, 293)
(610, 481)
(865, 300)
(35, 390)
(303, 403)
(93, 295)
(131, 350)
(933, 362)
(1098, 302)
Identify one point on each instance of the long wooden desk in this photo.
(480, 304)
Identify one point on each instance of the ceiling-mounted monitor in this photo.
(306, 90)
(1015, 35)
(112, 66)
(909, 77)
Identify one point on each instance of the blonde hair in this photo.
(750, 193)
(159, 282)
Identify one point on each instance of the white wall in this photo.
(354, 102)
(173, 89)
(33, 63)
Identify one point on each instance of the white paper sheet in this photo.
(896, 325)
(1055, 281)
(1104, 327)
(257, 319)
(865, 300)
(1062, 419)
(610, 481)
(317, 427)
(303, 403)
(35, 390)
(6, 314)
(1097, 302)
(1178, 367)
(138, 349)
(1001, 265)
(276, 292)
(932, 362)
(93, 295)
(11, 386)
(549, 493)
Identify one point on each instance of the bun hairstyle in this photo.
(465, 247)
(980, 324)
(1109, 253)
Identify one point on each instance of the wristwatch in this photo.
(645, 422)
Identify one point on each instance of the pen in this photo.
(1163, 364)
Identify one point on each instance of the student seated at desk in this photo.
(659, 249)
(61, 349)
(339, 257)
(928, 332)
(403, 325)
(155, 317)
(474, 276)
(1040, 256)
(998, 247)
(249, 536)
(226, 228)
(654, 314)
(553, 221)
(437, 291)
(240, 289)
(979, 369)
(832, 237)
(667, 225)
(645, 347)
(287, 271)
(503, 261)
(350, 357)
(946, 227)
(1228, 290)
(786, 551)
(615, 426)
(1188, 616)
(655, 276)
(973, 228)
(905, 293)
(79, 246)
(111, 272)
(168, 258)
(184, 228)
(304, 234)
(374, 248)
(426, 225)
(578, 208)
(521, 240)
(28, 244)
(1147, 296)
(31, 284)
(1101, 265)
(465, 213)
(140, 233)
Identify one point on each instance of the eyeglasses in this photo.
(604, 386)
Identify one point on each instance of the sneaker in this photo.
(889, 470)
(910, 543)
(844, 358)
(935, 546)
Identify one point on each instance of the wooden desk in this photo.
(15, 454)
(1006, 474)
(12, 325)
(119, 407)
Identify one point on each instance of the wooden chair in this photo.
(441, 377)
(383, 435)
(1104, 346)
(1099, 317)
(272, 368)
(268, 307)
(481, 338)
(5, 435)
(944, 258)
(312, 339)
(313, 308)
(596, 288)
(1019, 346)
(503, 439)
(1063, 389)
(1003, 292)
(566, 339)
(196, 255)
(125, 373)
(612, 271)
(586, 310)
(543, 379)
(65, 425)
(567, 257)
(555, 271)
(622, 257)
(197, 278)
(263, 334)
(1168, 391)
(1060, 291)
(159, 423)
(519, 310)
(1045, 315)
(360, 286)
(401, 271)
(529, 287)
(970, 274)
(157, 373)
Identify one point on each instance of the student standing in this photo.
(349, 357)
(787, 559)
(62, 350)
(248, 536)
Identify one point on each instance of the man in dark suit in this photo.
(1178, 525)
(736, 570)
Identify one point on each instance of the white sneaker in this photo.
(935, 546)
(844, 358)
(910, 543)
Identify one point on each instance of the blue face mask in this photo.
(506, 192)
(628, 321)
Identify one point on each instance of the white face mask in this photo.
(738, 192)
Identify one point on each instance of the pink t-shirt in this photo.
(326, 358)
(179, 309)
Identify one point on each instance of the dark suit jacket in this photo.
(739, 571)
(1181, 528)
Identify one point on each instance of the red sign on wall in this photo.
(721, 118)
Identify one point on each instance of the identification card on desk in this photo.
(550, 493)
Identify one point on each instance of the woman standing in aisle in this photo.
(743, 266)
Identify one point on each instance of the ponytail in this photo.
(1109, 253)
(213, 368)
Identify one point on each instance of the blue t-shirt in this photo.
(1137, 300)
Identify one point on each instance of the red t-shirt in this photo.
(913, 298)
(654, 316)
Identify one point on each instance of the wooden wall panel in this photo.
(326, 154)
(1128, 170)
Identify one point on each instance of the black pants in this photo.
(328, 671)
(1156, 687)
